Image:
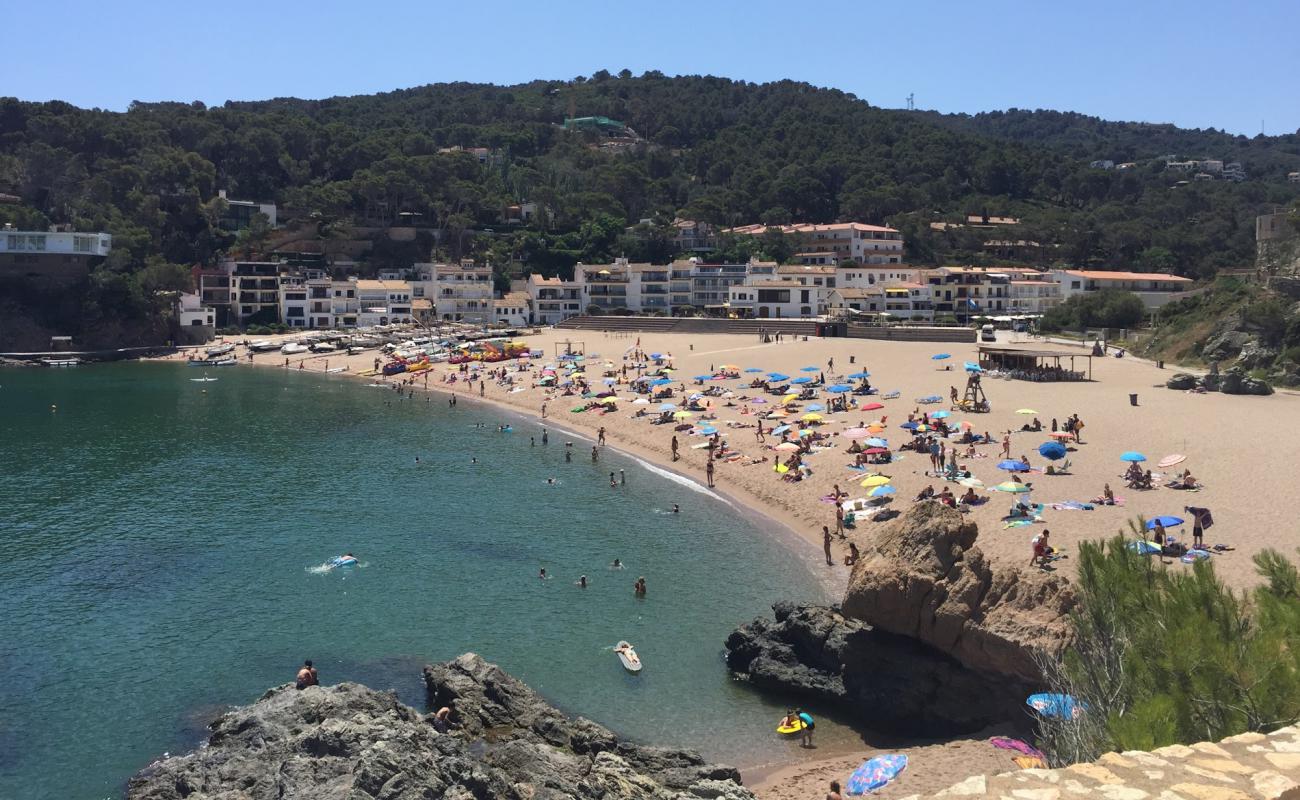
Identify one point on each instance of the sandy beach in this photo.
(1233, 445)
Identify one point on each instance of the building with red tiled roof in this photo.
(1155, 288)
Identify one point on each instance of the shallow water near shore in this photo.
(165, 536)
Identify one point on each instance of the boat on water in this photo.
(263, 346)
(630, 660)
(293, 348)
(228, 361)
(60, 362)
(220, 350)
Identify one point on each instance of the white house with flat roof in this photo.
(1154, 288)
(50, 254)
(553, 300)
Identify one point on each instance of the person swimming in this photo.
(616, 565)
(542, 573)
(582, 581)
(551, 481)
(677, 509)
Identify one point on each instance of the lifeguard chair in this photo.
(974, 400)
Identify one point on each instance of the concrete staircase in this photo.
(1251, 766)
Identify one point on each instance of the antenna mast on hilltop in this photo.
(911, 102)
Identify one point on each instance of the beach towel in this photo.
(1194, 555)
(894, 395)
(1072, 505)
(1020, 523)
(1029, 762)
(1006, 743)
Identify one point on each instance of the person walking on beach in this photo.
(543, 410)
(839, 519)
(826, 545)
(600, 436)
(758, 434)
(830, 364)
(1006, 445)
(806, 736)
(708, 472)
(307, 676)
(675, 453)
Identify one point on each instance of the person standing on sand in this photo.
(708, 472)
(826, 545)
(1006, 445)
(674, 446)
(600, 436)
(839, 518)
(543, 410)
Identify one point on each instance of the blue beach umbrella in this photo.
(777, 377)
(754, 369)
(1013, 466)
(801, 380)
(815, 407)
(971, 367)
(857, 376)
(809, 369)
(1062, 706)
(876, 773)
(779, 429)
(667, 406)
(659, 381)
(709, 431)
(703, 377)
(656, 355)
(882, 491)
(839, 388)
(911, 426)
(940, 415)
(876, 441)
(939, 356)
(1132, 456)
(1168, 522)
(1052, 451)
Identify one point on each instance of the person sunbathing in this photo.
(926, 494)
(969, 498)
(946, 498)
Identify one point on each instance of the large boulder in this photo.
(1182, 381)
(1236, 381)
(904, 687)
(1227, 344)
(1255, 355)
(923, 576)
(348, 742)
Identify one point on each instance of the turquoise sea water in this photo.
(161, 543)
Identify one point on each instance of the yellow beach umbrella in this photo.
(1025, 411)
(682, 414)
(812, 417)
(875, 480)
(609, 401)
(789, 398)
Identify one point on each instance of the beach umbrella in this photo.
(805, 432)
(1055, 705)
(1011, 465)
(682, 415)
(787, 447)
(1169, 461)
(971, 483)
(876, 427)
(1168, 522)
(911, 426)
(609, 401)
(839, 388)
(875, 451)
(1132, 456)
(855, 433)
(801, 380)
(940, 356)
(1052, 451)
(1025, 411)
(779, 429)
(876, 441)
(789, 398)
(753, 369)
(972, 367)
(811, 418)
(660, 382)
(816, 407)
(703, 377)
(874, 481)
(876, 773)
(1004, 743)
(809, 369)
(656, 355)
(1011, 487)
(777, 413)
(882, 491)
(667, 406)
(1143, 548)
(708, 431)
(611, 381)
(871, 407)
(922, 429)
(857, 376)
(940, 414)
(640, 401)
(777, 377)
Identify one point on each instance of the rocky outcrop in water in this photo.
(348, 742)
(923, 577)
(892, 683)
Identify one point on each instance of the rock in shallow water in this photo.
(349, 742)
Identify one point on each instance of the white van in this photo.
(988, 334)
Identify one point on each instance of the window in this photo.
(82, 244)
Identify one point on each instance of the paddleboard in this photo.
(786, 730)
(627, 658)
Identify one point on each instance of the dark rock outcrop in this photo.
(1182, 381)
(1227, 344)
(348, 742)
(1236, 381)
(891, 683)
(923, 577)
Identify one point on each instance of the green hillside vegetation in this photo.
(722, 151)
(1168, 655)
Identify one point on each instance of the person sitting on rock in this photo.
(307, 676)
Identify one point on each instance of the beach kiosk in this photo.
(1037, 365)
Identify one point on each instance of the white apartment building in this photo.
(1155, 289)
(967, 292)
(383, 302)
(775, 299)
(644, 288)
(511, 309)
(1032, 292)
(345, 304)
(50, 254)
(254, 291)
(856, 241)
(460, 292)
(239, 213)
(306, 301)
(554, 299)
(820, 278)
(191, 313)
(868, 276)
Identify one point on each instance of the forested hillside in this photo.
(712, 149)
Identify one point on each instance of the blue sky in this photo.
(1196, 63)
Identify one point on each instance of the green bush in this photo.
(1108, 308)
(1165, 656)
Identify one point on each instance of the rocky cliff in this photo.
(923, 577)
(354, 743)
(893, 683)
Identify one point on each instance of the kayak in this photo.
(795, 727)
(341, 561)
(631, 662)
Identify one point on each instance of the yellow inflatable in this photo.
(786, 730)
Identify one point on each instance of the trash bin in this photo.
(1160, 364)
(852, 360)
(1133, 399)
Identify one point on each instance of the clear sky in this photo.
(1195, 63)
